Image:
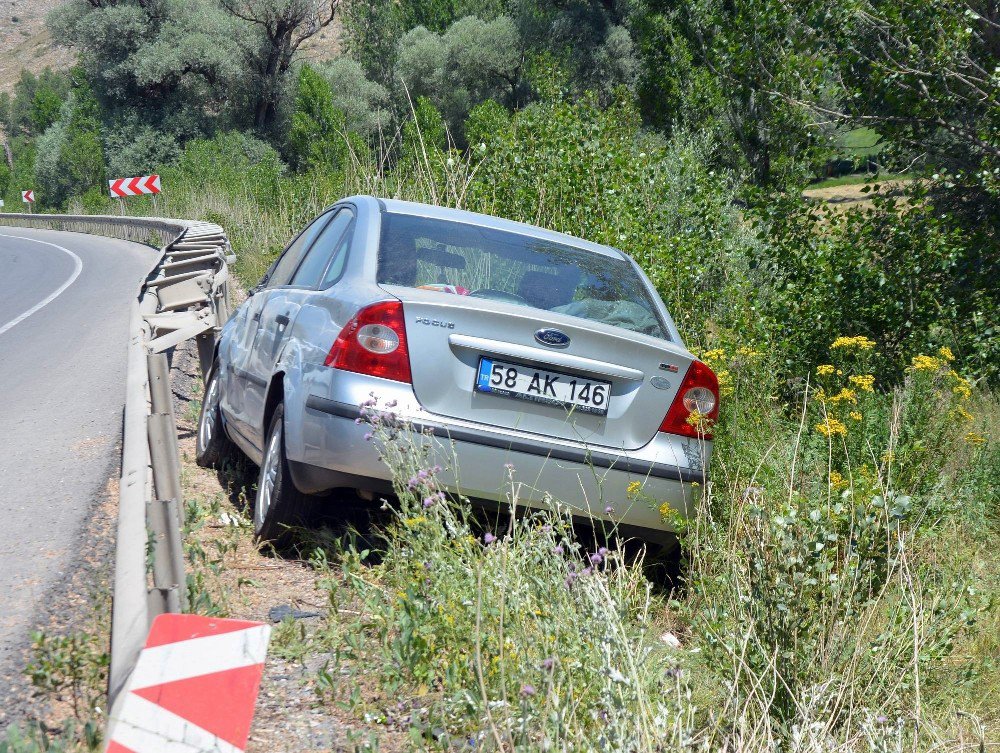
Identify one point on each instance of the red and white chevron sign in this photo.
(28, 197)
(121, 187)
(194, 687)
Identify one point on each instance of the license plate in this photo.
(541, 386)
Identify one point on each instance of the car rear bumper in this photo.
(587, 479)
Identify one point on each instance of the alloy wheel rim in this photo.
(268, 476)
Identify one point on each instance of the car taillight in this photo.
(374, 343)
(699, 391)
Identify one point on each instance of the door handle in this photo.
(282, 320)
(256, 317)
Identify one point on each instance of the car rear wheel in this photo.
(279, 506)
(212, 445)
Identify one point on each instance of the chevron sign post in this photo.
(28, 197)
(193, 689)
(122, 187)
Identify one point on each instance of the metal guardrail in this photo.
(185, 296)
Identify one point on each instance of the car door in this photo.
(243, 388)
(278, 314)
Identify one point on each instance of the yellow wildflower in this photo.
(974, 438)
(845, 396)
(831, 427)
(946, 353)
(725, 382)
(925, 363)
(855, 415)
(962, 386)
(837, 481)
(888, 456)
(849, 343)
(633, 488)
(666, 510)
(714, 355)
(962, 414)
(864, 382)
(824, 370)
(747, 352)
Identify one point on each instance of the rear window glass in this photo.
(455, 258)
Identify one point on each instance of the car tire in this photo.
(278, 507)
(211, 445)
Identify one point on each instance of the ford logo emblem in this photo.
(552, 337)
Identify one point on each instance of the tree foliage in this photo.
(317, 135)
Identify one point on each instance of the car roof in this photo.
(414, 208)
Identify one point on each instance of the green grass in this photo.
(859, 179)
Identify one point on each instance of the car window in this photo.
(457, 258)
(324, 248)
(336, 268)
(282, 271)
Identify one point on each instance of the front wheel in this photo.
(211, 445)
(279, 506)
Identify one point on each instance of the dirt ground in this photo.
(25, 41)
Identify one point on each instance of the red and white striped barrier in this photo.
(145, 184)
(28, 197)
(193, 688)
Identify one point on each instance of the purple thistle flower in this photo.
(570, 579)
(413, 483)
(596, 559)
(368, 437)
(428, 501)
(436, 469)
(391, 404)
(548, 664)
(358, 421)
(587, 571)
(558, 549)
(423, 474)
(603, 551)
(881, 719)
(546, 528)
(442, 496)
(488, 538)
(527, 690)
(609, 510)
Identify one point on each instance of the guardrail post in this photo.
(161, 398)
(206, 352)
(164, 515)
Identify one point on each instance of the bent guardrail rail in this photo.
(185, 296)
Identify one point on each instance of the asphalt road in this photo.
(64, 308)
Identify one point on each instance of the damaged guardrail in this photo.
(185, 296)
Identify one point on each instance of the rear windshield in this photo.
(455, 258)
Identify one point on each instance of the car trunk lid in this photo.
(449, 334)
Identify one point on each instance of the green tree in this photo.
(316, 139)
(173, 64)
(278, 28)
(471, 62)
(745, 68)
(70, 155)
(35, 102)
(365, 103)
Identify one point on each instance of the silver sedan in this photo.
(503, 344)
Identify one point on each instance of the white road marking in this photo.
(77, 268)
